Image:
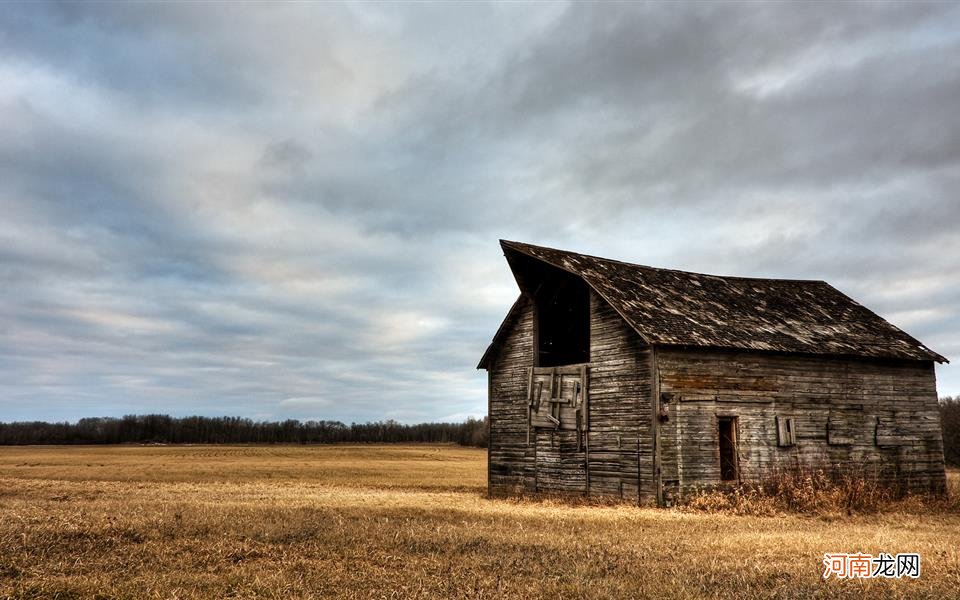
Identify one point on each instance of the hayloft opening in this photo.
(728, 448)
(562, 306)
(563, 321)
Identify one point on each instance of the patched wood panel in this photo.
(557, 397)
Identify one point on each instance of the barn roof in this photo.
(678, 308)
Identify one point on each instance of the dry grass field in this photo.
(403, 522)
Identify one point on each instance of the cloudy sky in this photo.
(292, 211)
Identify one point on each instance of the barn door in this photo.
(558, 419)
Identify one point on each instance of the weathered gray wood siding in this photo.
(620, 445)
(619, 461)
(559, 460)
(879, 417)
(511, 459)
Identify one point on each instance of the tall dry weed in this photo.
(820, 490)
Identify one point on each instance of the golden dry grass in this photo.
(399, 522)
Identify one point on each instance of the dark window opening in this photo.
(728, 448)
(563, 322)
(786, 431)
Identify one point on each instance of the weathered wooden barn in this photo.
(618, 379)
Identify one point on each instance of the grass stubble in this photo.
(408, 522)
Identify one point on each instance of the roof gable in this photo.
(679, 308)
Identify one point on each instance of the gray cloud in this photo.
(293, 211)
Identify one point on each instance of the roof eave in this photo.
(931, 356)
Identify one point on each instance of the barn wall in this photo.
(511, 460)
(617, 449)
(879, 417)
(620, 441)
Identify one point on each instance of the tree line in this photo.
(950, 420)
(164, 429)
